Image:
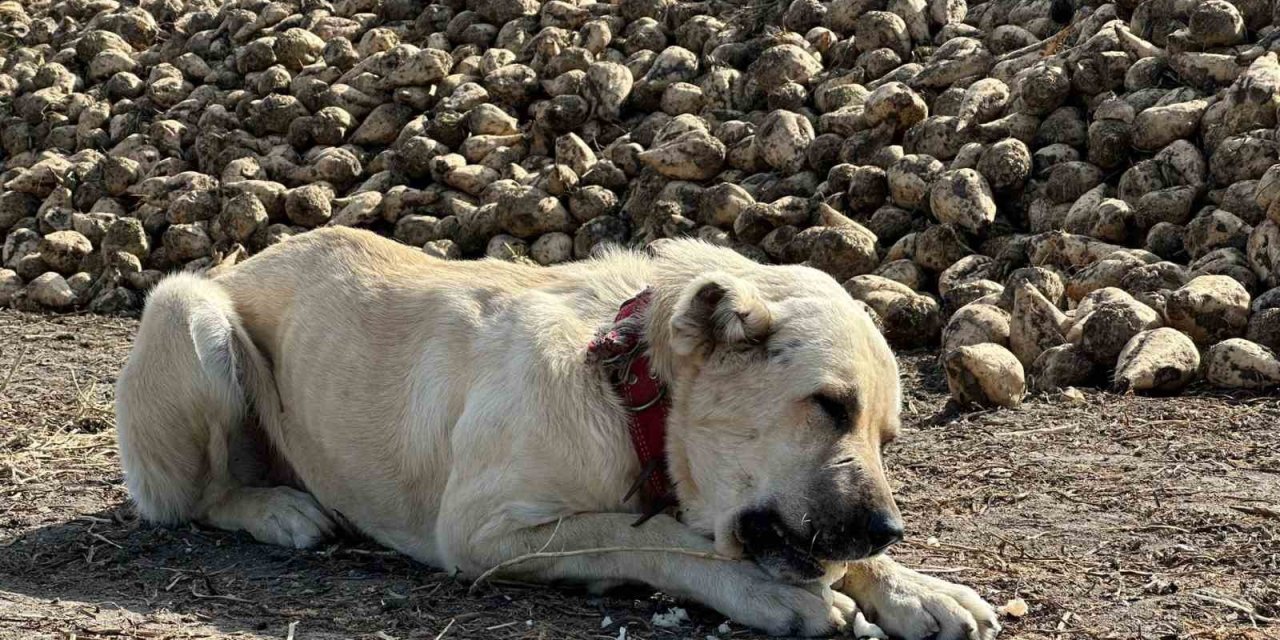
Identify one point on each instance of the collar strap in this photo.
(622, 350)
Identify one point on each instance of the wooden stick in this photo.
(446, 628)
(586, 552)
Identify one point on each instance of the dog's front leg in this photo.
(735, 588)
(913, 606)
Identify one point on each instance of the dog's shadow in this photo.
(165, 576)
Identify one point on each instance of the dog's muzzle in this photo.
(800, 557)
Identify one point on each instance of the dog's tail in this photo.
(192, 381)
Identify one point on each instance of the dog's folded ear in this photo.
(719, 310)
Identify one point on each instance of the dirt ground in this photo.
(1110, 516)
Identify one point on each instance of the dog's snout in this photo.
(776, 547)
(883, 531)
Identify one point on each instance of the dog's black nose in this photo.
(883, 531)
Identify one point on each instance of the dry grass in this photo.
(1113, 517)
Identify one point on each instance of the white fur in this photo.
(449, 410)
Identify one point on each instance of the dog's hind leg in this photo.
(184, 414)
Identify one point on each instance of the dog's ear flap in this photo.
(719, 310)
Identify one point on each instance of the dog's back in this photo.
(331, 336)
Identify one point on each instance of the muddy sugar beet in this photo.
(983, 176)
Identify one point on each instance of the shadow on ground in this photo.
(1110, 516)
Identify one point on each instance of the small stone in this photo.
(417, 230)
(896, 104)
(1155, 277)
(974, 267)
(868, 187)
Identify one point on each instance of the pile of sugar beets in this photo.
(1056, 192)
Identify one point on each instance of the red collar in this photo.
(622, 350)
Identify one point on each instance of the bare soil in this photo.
(1110, 516)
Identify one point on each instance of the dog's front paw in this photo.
(914, 606)
(781, 609)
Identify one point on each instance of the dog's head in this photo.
(784, 393)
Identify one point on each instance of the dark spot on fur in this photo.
(783, 353)
(781, 356)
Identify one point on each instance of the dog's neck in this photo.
(623, 351)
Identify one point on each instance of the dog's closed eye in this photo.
(835, 410)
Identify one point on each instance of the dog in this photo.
(471, 413)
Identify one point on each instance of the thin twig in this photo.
(13, 369)
(1262, 512)
(1248, 610)
(103, 538)
(937, 570)
(1040, 431)
(446, 628)
(292, 627)
(210, 596)
(553, 535)
(585, 552)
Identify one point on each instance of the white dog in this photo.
(469, 413)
